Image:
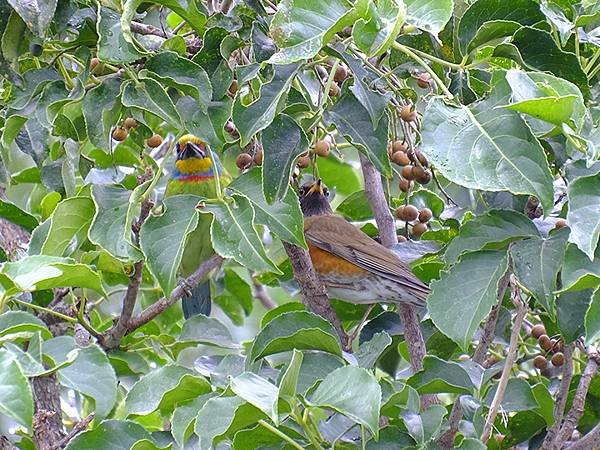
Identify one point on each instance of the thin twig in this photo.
(561, 397)
(184, 285)
(142, 28)
(587, 442)
(260, 292)
(78, 428)
(508, 363)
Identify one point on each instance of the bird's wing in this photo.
(335, 235)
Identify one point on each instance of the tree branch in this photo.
(164, 303)
(446, 442)
(142, 28)
(587, 442)
(561, 397)
(263, 296)
(577, 407)
(508, 363)
(314, 293)
(78, 428)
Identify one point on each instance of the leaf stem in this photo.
(435, 59)
(407, 51)
(280, 434)
(46, 310)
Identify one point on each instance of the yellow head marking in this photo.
(193, 165)
(190, 138)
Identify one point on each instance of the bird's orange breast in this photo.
(326, 263)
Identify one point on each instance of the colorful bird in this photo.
(194, 173)
(354, 267)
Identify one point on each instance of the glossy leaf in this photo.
(206, 330)
(429, 15)
(283, 217)
(592, 319)
(208, 125)
(578, 272)
(101, 106)
(471, 286)
(369, 352)
(163, 238)
(109, 435)
(37, 14)
(149, 95)
(353, 392)
(258, 392)
(571, 308)
(441, 376)
(375, 35)
(422, 427)
(11, 212)
(184, 418)
(514, 160)
(297, 329)
(289, 380)
(112, 45)
(70, 221)
(517, 397)
(16, 400)
(584, 213)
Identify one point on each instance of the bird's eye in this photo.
(302, 190)
(326, 192)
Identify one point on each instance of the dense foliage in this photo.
(482, 117)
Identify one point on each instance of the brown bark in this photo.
(47, 421)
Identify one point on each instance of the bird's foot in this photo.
(187, 288)
(358, 329)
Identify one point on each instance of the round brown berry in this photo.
(119, 134)
(304, 162)
(558, 359)
(407, 114)
(399, 146)
(425, 215)
(540, 362)
(405, 185)
(341, 73)
(423, 80)
(334, 90)
(464, 357)
(409, 213)
(400, 158)
(258, 157)
(401, 238)
(545, 342)
(560, 223)
(417, 172)
(322, 148)
(419, 228)
(538, 330)
(398, 211)
(243, 161)
(422, 159)
(424, 177)
(154, 141)
(407, 172)
(130, 122)
(233, 87)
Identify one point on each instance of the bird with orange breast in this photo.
(354, 267)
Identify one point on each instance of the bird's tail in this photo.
(198, 302)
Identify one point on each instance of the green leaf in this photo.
(208, 125)
(189, 11)
(109, 229)
(584, 213)
(222, 415)
(11, 212)
(163, 238)
(233, 234)
(112, 45)
(206, 330)
(536, 263)
(353, 121)
(301, 27)
(16, 400)
(472, 284)
(69, 223)
(163, 389)
(283, 141)
(30, 366)
(39, 272)
(376, 35)
(258, 392)
(494, 227)
(517, 397)
(150, 96)
(109, 435)
(101, 106)
(17, 321)
(422, 427)
(441, 376)
(571, 308)
(577, 272)
(182, 74)
(255, 117)
(353, 392)
(339, 174)
(184, 418)
(429, 15)
(592, 319)
(283, 218)
(453, 139)
(297, 329)
(102, 387)
(540, 52)
(556, 110)
(37, 14)
(369, 352)
(525, 12)
(493, 30)
(355, 207)
(289, 381)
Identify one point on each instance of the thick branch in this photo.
(588, 442)
(508, 363)
(314, 293)
(561, 397)
(163, 304)
(578, 405)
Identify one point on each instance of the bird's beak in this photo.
(192, 150)
(316, 187)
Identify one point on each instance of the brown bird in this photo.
(354, 267)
